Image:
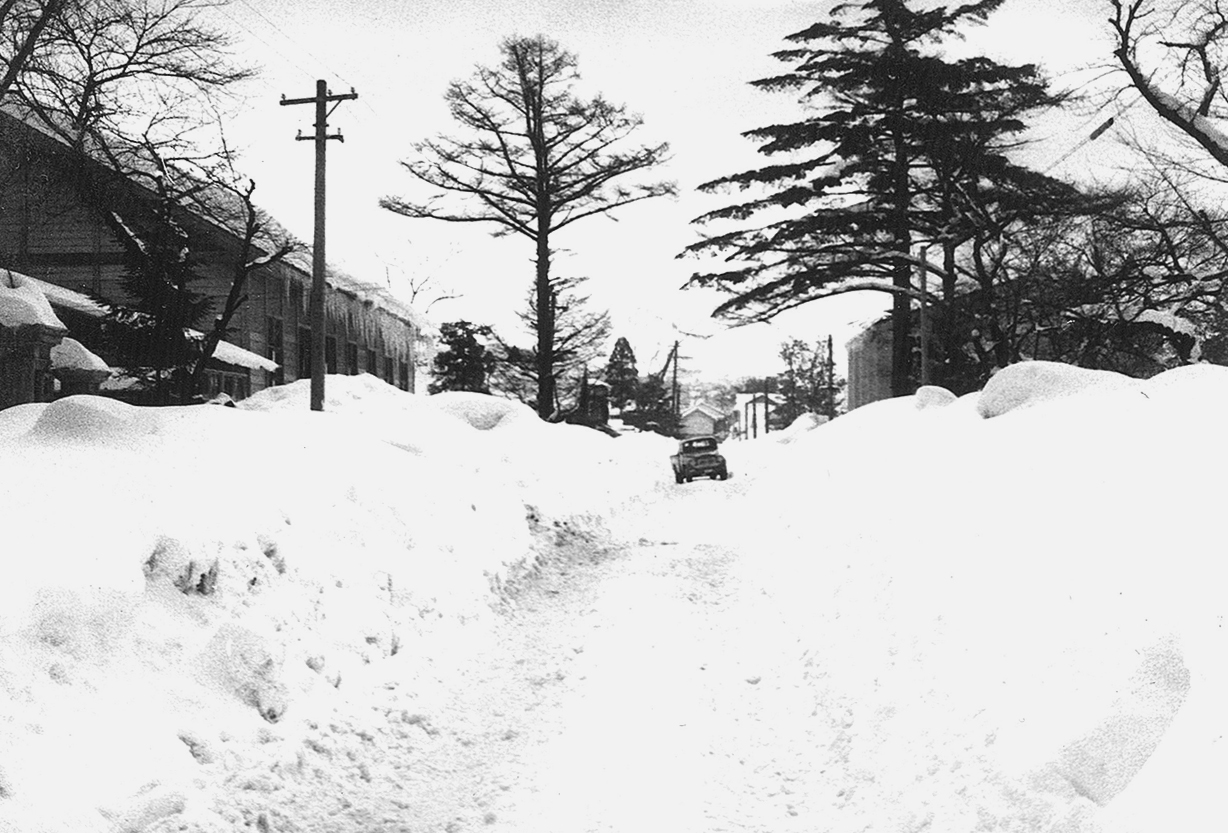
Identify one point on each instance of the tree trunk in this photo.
(948, 367)
(545, 322)
(901, 306)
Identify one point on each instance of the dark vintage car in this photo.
(698, 457)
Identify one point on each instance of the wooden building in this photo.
(47, 231)
(869, 358)
(703, 420)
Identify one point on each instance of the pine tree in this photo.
(536, 158)
(621, 374)
(464, 363)
(654, 406)
(147, 335)
(893, 137)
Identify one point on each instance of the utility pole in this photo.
(321, 100)
(923, 280)
(766, 404)
(830, 401)
(677, 414)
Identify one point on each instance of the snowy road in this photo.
(655, 687)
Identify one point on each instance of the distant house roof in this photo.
(705, 409)
(757, 397)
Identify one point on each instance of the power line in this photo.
(342, 77)
(297, 45)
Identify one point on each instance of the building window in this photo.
(371, 366)
(351, 359)
(404, 368)
(275, 334)
(330, 354)
(389, 368)
(304, 353)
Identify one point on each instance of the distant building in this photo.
(869, 358)
(752, 412)
(48, 232)
(701, 420)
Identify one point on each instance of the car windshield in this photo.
(701, 445)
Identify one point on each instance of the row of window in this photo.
(390, 370)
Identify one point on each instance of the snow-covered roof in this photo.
(68, 299)
(71, 354)
(705, 409)
(58, 296)
(236, 355)
(23, 305)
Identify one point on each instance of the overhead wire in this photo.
(298, 47)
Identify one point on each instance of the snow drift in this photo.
(189, 590)
(1004, 611)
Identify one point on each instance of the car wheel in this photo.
(677, 478)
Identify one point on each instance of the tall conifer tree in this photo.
(894, 151)
(465, 363)
(621, 374)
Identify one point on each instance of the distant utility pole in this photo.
(321, 100)
(767, 403)
(677, 409)
(830, 403)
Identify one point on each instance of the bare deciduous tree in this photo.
(109, 75)
(135, 90)
(1173, 54)
(22, 28)
(534, 159)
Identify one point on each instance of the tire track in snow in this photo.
(678, 699)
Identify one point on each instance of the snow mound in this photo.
(23, 305)
(348, 393)
(372, 408)
(85, 418)
(1029, 383)
(933, 396)
(482, 411)
(804, 424)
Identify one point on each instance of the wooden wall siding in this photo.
(368, 325)
(47, 233)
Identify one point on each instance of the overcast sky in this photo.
(684, 65)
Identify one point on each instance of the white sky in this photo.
(683, 64)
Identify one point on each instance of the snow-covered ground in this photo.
(998, 612)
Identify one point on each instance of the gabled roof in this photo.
(705, 409)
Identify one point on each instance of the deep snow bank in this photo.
(192, 594)
(1020, 618)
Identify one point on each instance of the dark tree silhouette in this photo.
(621, 374)
(464, 363)
(899, 147)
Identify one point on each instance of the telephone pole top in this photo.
(321, 100)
